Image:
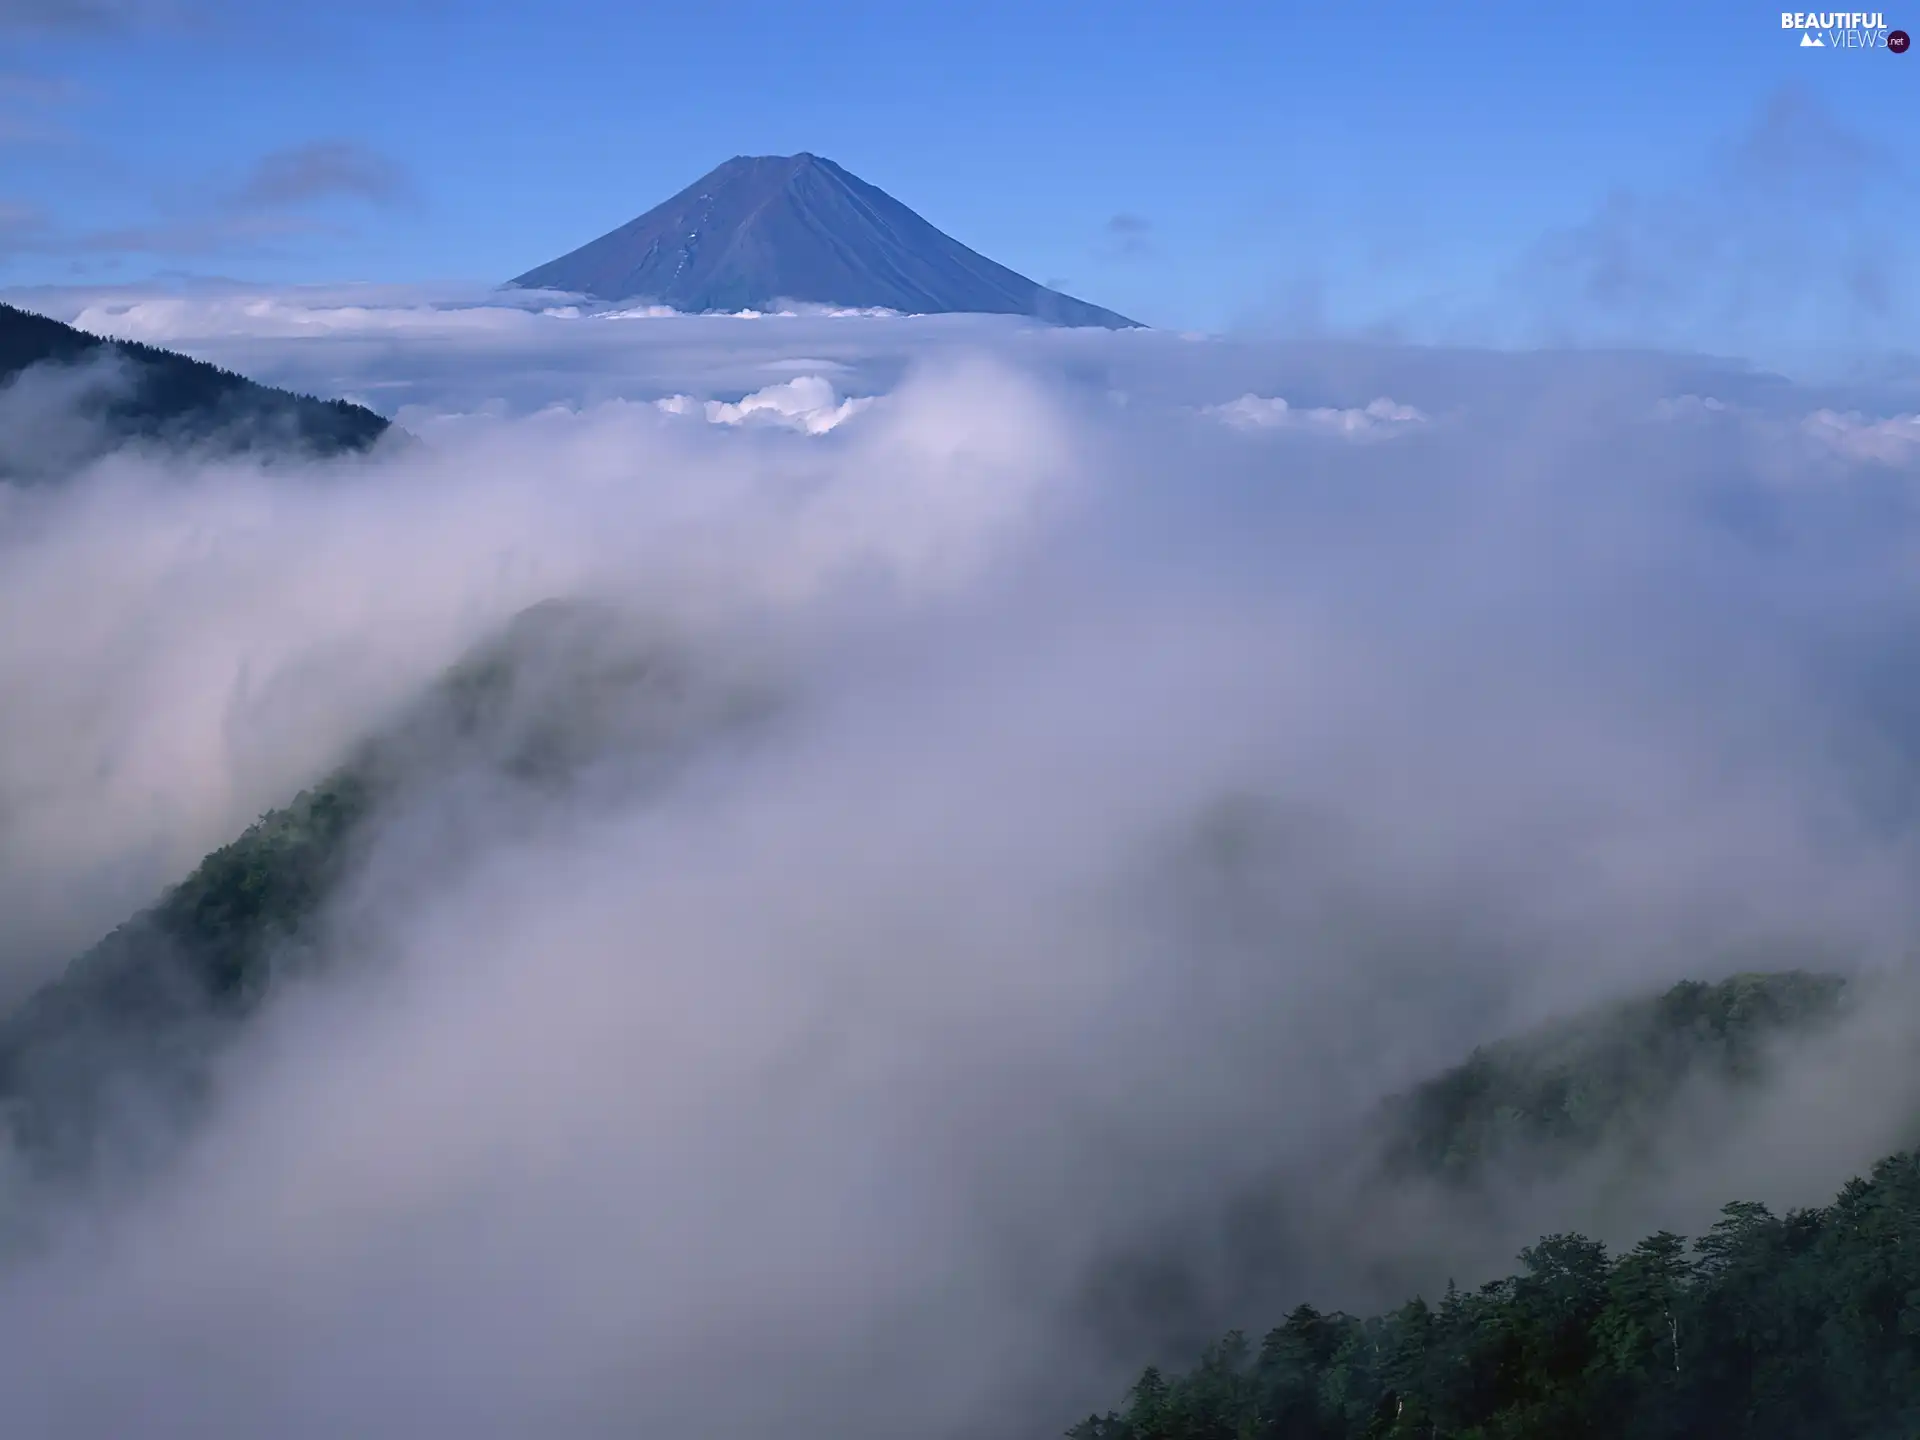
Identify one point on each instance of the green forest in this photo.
(132, 1026)
(1538, 1102)
(1803, 1325)
(129, 1031)
(1768, 1327)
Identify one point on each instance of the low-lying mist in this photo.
(1080, 799)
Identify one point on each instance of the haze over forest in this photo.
(576, 868)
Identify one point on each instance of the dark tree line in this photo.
(1797, 1327)
(166, 397)
(1607, 1078)
(117, 1051)
(124, 1038)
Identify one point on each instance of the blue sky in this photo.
(1206, 166)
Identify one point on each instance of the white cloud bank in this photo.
(807, 403)
(802, 1089)
(1851, 435)
(152, 712)
(1378, 418)
(1891, 439)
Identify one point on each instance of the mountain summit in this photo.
(762, 229)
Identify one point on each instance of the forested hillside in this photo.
(1536, 1102)
(129, 1030)
(1769, 1327)
(126, 1034)
(121, 390)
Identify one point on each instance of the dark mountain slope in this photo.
(122, 390)
(1797, 1327)
(126, 1036)
(769, 228)
(103, 1064)
(1539, 1101)
(1587, 1112)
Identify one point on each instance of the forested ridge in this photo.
(159, 395)
(1768, 1327)
(1798, 1325)
(128, 1031)
(133, 1024)
(1539, 1101)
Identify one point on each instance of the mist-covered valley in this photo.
(855, 876)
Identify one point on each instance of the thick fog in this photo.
(1102, 767)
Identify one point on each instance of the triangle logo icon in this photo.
(1808, 41)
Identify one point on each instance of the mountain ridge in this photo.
(147, 393)
(759, 230)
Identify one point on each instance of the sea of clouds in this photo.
(807, 1087)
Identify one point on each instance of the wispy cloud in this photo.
(1795, 225)
(229, 234)
(1128, 237)
(324, 170)
(1361, 422)
(24, 87)
(286, 196)
(807, 403)
(91, 16)
(24, 229)
(31, 106)
(1892, 439)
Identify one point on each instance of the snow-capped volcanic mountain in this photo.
(763, 230)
